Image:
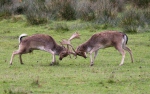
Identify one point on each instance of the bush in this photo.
(67, 12)
(5, 12)
(85, 10)
(106, 14)
(5, 9)
(131, 20)
(146, 15)
(119, 4)
(61, 27)
(35, 12)
(141, 3)
(61, 9)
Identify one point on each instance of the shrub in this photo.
(61, 9)
(141, 3)
(106, 14)
(119, 4)
(5, 12)
(146, 15)
(61, 27)
(85, 10)
(131, 20)
(67, 12)
(5, 6)
(35, 12)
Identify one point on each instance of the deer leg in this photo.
(13, 54)
(130, 52)
(20, 58)
(120, 49)
(95, 54)
(123, 56)
(54, 59)
(91, 57)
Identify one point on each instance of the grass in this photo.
(71, 76)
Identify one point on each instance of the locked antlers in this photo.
(68, 42)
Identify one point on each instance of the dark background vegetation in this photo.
(131, 15)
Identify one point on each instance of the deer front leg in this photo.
(95, 49)
(53, 61)
(53, 53)
(91, 58)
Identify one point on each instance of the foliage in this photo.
(130, 21)
(141, 3)
(5, 12)
(61, 9)
(105, 13)
(85, 10)
(35, 12)
(61, 27)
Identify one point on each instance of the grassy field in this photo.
(72, 76)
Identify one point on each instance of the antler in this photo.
(75, 35)
(68, 42)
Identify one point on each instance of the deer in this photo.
(103, 40)
(43, 42)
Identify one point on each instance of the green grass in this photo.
(71, 76)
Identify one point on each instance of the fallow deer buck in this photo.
(104, 40)
(42, 42)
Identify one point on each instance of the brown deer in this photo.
(42, 42)
(104, 40)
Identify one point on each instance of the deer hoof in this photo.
(92, 64)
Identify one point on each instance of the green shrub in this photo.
(85, 10)
(106, 14)
(61, 27)
(67, 12)
(61, 9)
(146, 15)
(119, 4)
(36, 18)
(35, 12)
(131, 20)
(141, 3)
(5, 12)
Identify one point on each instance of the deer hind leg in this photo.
(15, 53)
(20, 58)
(121, 50)
(130, 52)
